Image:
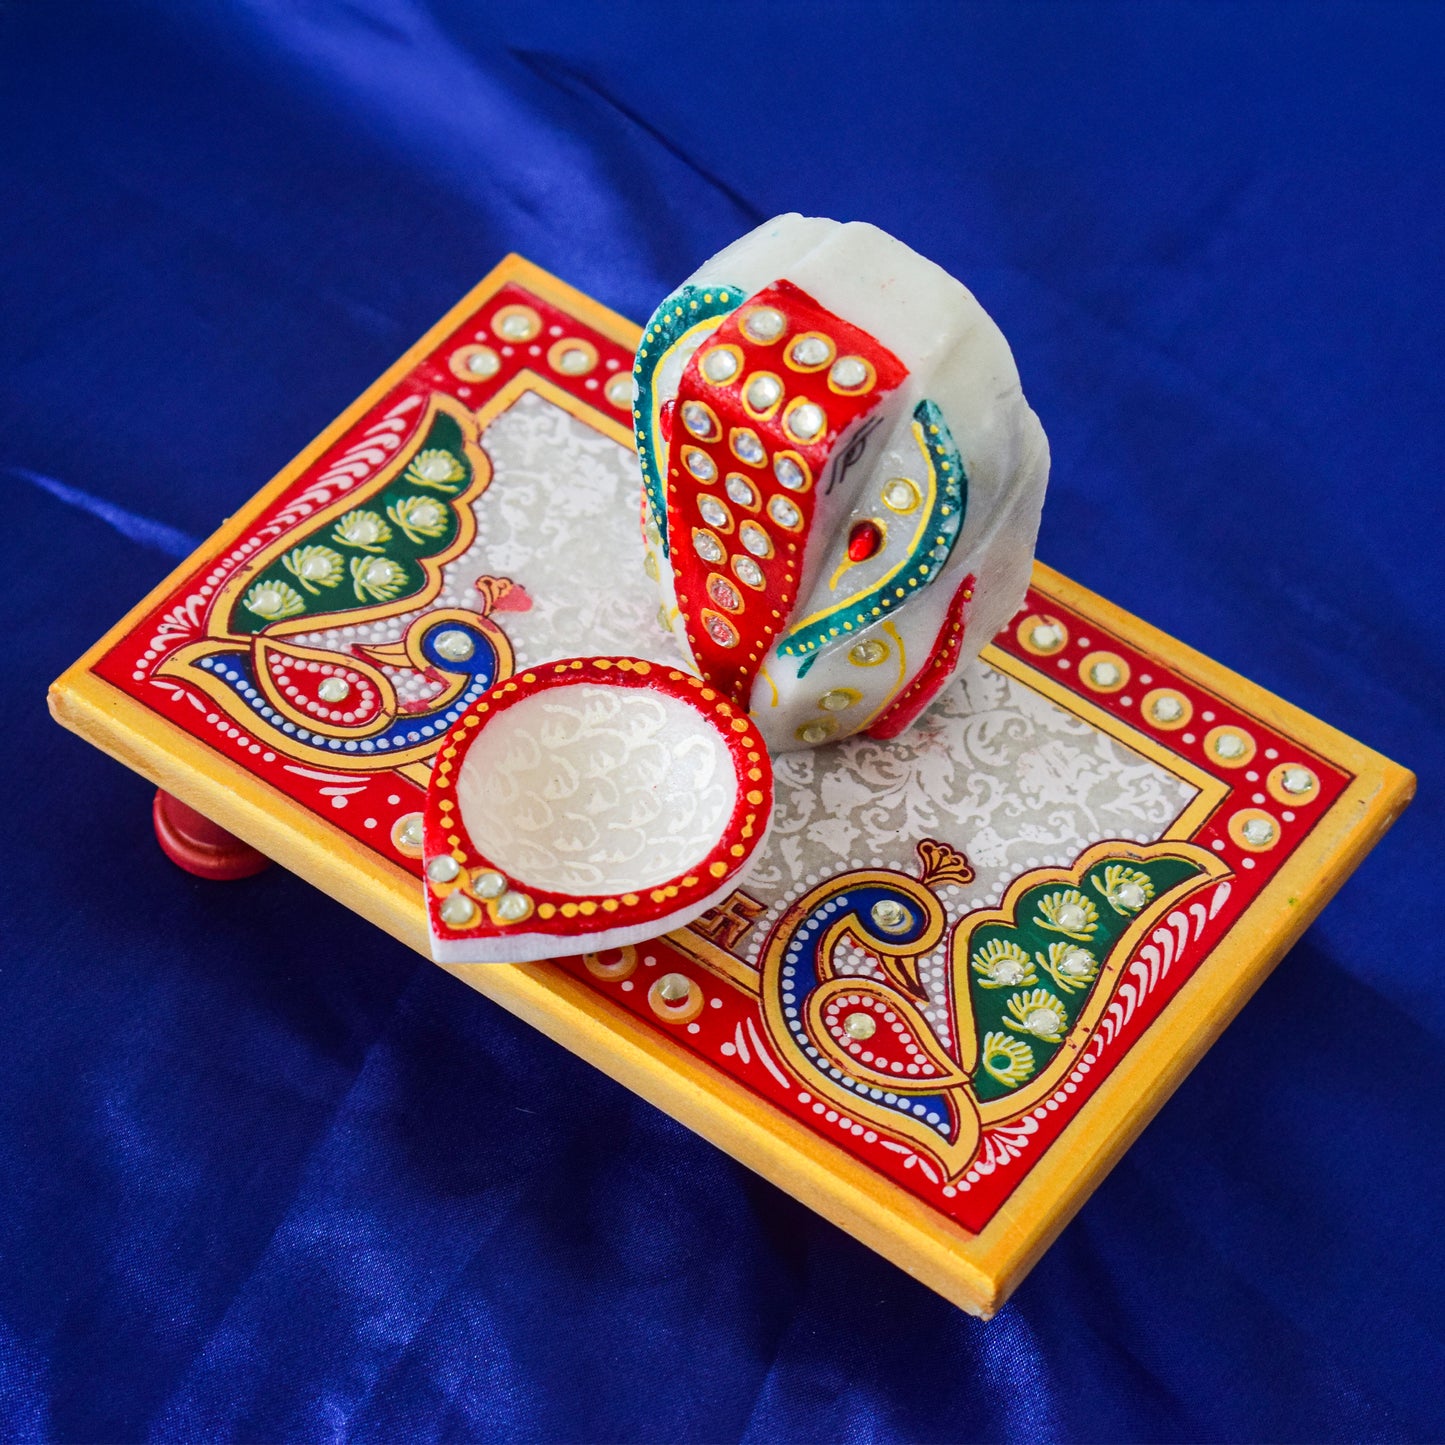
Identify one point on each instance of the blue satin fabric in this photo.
(267, 1175)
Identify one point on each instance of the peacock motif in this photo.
(1009, 1006)
(279, 656)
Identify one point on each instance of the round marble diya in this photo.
(588, 804)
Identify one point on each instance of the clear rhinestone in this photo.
(1296, 780)
(790, 474)
(764, 324)
(860, 1026)
(458, 911)
(454, 645)
(699, 464)
(484, 363)
(748, 447)
(784, 513)
(1105, 674)
(900, 494)
(379, 571)
(574, 361)
(513, 907)
(620, 390)
(755, 540)
(1168, 709)
(436, 467)
(266, 600)
(836, 700)
(316, 566)
(810, 351)
(426, 514)
(698, 420)
(707, 547)
(674, 988)
(713, 512)
(814, 733)
(407, 832)
(720, 366)
(1230, 745)
(1076, 964)
(1131, 895)
(1072, 917)
(443, 868)
(515, 327)
(1045, 636)
(1006, 970)
(488, 884)
(740, 490)
(807, 421)
(891, 916)
(334, 689)
(748, 570)
(720, 631)
(725, 594)
(849, 372)
(868, 654)
(763, 392)
(1258, 831)
(1043, 1021)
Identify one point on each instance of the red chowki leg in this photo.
(191, 841)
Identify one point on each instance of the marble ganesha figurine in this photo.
(841, 477)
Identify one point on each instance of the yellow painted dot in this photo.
(717, 869)
(546, 910)
(737, 850)
(659, 895)
(690, 881)
(569, 910)
(609, 905)
(740, 724)
(755, 797)
(587, 907)
(630, 899)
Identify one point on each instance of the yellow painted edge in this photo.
(976, 1272)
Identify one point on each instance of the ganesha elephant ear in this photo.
(591, 803)
(841, 477)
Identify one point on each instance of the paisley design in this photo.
(377, 551)
(1002, 1039)
(327, 689)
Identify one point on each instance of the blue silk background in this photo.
(267, 1176)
